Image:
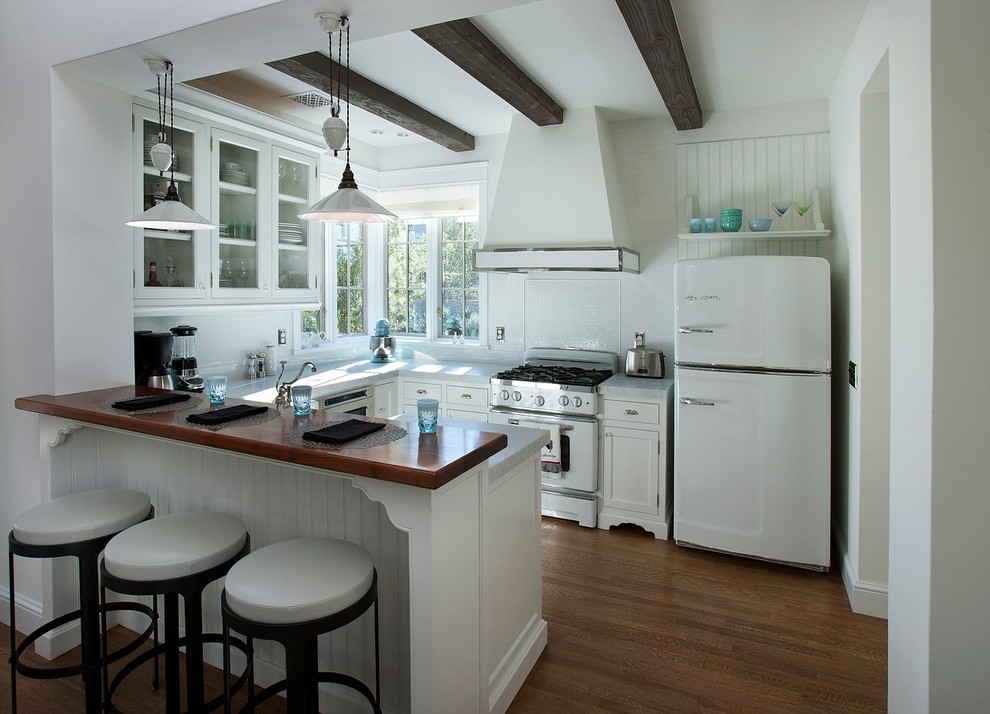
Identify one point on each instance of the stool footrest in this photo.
(209, 638)
(72, 670)
(323, 677)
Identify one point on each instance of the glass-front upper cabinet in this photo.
(168, 265)
(297, 240)
(241, 262)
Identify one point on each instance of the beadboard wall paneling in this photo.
(750, 173)
(690, 248)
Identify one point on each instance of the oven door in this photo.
(572, 463)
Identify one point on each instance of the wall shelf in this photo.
(756, 235)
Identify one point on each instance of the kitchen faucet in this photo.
(282, 398)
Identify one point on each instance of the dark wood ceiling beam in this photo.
(314, 69)
(654, 29)
(469, 48)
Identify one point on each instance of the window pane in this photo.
(357, 265)
(417, 312)
(356, 308)
(472, 314)
(397, 310)
(417, 266)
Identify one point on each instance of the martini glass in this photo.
(780, 208)
(802, 209)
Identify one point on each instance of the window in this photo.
(406, 281)
(459, 282)
(349, 258)
(431, 259)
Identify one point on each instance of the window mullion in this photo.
(433, 280)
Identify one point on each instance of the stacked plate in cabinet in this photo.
(290, 233)
(238, 176)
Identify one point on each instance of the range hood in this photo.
(557, 204)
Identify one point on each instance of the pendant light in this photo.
(170, 214)
(347, 204)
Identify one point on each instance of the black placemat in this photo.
(343, 432)
(216, 417)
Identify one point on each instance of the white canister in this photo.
(271, 359)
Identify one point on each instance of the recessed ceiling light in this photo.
(403, 134)
(376, 132)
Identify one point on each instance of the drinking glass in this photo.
(216, 387)
(802, 209)
(426, 411)
(302, 395)
(780, 208)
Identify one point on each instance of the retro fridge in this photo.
(752, 423)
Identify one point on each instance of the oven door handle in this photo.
(518, 422)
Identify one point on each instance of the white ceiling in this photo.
(742, 53)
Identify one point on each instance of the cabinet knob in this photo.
(607, 433)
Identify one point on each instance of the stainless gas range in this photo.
(557, 390)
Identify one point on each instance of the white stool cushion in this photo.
(299, 580)
(174, 546)
(82, 516)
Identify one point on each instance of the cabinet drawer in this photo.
(473, 415)
(638, 412)
(466, 397)
(421, 390)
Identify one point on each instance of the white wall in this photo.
(65, 323)
(939, 566)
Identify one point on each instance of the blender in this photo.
(185, 369)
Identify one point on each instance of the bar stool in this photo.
(77, 525)
(177, 554)
(292, 592)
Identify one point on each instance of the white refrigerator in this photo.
(752, 424)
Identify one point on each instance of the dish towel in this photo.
(222, 416)
(343, 432)
(550, 454)
(149, 402)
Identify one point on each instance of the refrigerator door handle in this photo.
(694, 330)
(695, 402)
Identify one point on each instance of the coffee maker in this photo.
(152, 352)
(184, 365)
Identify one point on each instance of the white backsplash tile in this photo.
(583, 314)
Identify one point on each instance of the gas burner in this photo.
(543, 374)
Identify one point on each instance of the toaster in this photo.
(641, 361)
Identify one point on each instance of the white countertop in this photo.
(344, 374)
(625, 387)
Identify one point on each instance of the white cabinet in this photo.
(636, 463)
(253, 188)
(461, 400)
(179, 258)
(466, 401)
(386, 399)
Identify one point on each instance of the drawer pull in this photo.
(465, 396)
(420, 391)
(632, 412)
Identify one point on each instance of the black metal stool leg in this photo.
(13, 640)
(172, 691)
(194, 650)
(90, 633)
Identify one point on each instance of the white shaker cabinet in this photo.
(252, 186)
(637, 462)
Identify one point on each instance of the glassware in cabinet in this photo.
(240, 264)
(178, 255)
(296, 249)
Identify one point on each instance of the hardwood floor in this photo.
(640, 625)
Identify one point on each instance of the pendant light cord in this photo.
(348, 79)
(170, 95)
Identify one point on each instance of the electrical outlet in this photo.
(500, 334)
(281, 337)
(853, 375)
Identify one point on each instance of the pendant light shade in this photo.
(347, 204)
(170, 214)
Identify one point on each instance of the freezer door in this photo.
(751, 464)
(754, 311)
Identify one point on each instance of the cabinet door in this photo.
(242, 251)
(298, 242)
(179, 257)
(386, 399)
(631, 479)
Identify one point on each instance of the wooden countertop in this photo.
(425, 461)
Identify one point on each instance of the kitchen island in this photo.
(451, 521)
